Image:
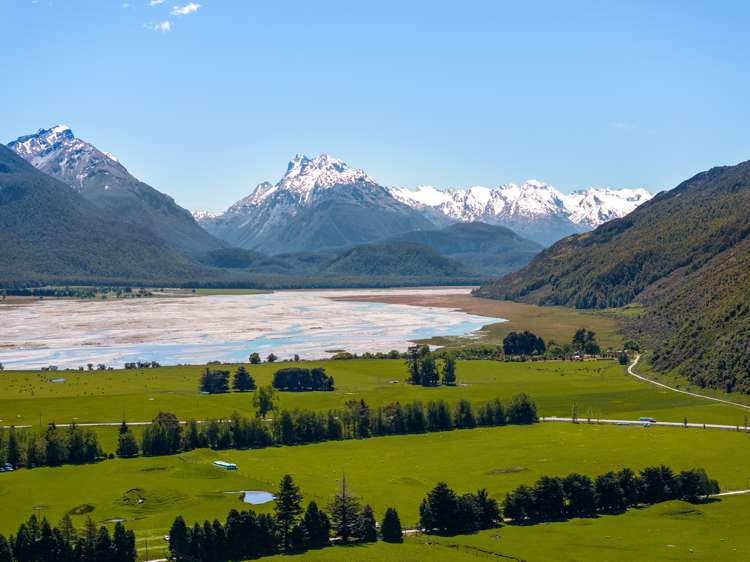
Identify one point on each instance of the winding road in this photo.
(632, 373)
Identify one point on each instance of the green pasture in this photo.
(388, 471)
(670, 532)
(600, 387)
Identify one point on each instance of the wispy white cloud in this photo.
(126, 5)
(190, 8)
(161, 27)
(156, 2)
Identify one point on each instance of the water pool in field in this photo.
(197, 329)
(257, 498)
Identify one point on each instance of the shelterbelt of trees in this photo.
(294, 529)
(38, 541)
(54, 447)
(165, 435)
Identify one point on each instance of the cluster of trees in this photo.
(217, 381)
(54, 447)
(291, 528)
(165, 435)
(445, 512)
(298, 379)
(143, 365)
(584, 341)
(75, 292)
(271, 358)
(552, 498)
(523, 343)
(38, 541)
(423, 368)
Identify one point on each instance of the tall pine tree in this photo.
(288, 508)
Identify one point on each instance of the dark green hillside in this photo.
(489, 249)
(685, 255)
(51, 233)
(395, 259)
(343, 219)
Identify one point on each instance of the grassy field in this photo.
(673, 531)
(387, 471)
(601, 387)
(552, 323)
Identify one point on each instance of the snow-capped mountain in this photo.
(320, 203)
(594, 206)
(104, 181)
(534, 209)
(58, 152)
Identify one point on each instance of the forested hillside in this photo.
(488, 249)
(685, 255)
(395, 259)
(50, 232)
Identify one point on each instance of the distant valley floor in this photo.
(551, 323)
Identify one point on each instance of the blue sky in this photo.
(579, 94)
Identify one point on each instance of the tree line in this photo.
(54, 447)
(553, 498)
(216, 381)
(290, 529)
(38, 541)
(294, 529)
(297, 379)
(356, 420)
(423, 368)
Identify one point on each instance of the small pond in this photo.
(257, 497)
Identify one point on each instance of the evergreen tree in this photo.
(67, 529)
(549, 499)
(103, 551)
(127, 446)
(288, 508)
(264, 400)
(317, 527)
(344, 511)
(76, 446)
(580, 496)
(488, 512)
(123, 543)
(428, 370)
(438, 510)
(13, 453)
(522, 410)
(6, 554)
(23, 545)
(449, 371)
(243, 381)
(632, 486)
(391, 526)
(46, 544)
(519, 504)
(179, 543)
(367, 529)
(464, 416)
(609, 495)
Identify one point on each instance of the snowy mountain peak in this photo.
(44, 140)
(305, 174)
(530, 201)
(58, 152)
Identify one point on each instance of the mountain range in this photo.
(684, 256)
(319, 204)
(50, 232)
(103, 181)
(322, 219)
(533, 209)
(322, 203)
